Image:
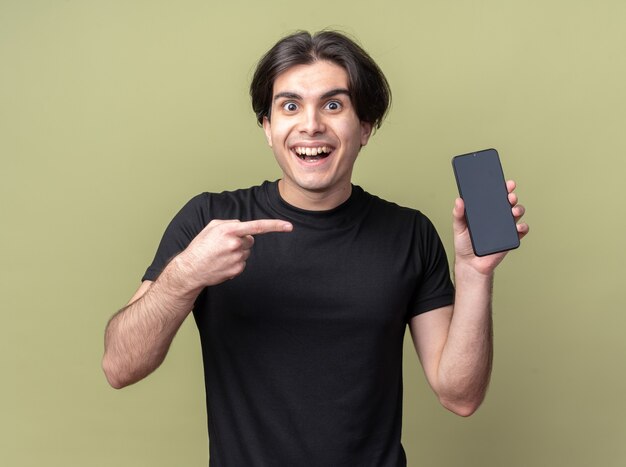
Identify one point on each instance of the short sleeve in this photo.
(435, 289)
(183, 228)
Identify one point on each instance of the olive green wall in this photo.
(114, 113)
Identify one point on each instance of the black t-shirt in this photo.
(303, 351)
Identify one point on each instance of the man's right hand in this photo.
(220, 251)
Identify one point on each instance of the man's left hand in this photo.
(463, 244)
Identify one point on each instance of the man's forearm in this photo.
(465, 366)
(138, 337)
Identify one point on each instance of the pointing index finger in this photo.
(262, 226)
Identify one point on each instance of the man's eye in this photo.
(290, 106)
(333, 105)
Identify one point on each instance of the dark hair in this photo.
(369, 89)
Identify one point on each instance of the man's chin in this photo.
(311, 185)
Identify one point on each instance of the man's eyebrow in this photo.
(287, 95)
(335, 92)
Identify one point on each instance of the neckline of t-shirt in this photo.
(343, 212)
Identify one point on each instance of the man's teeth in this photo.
(307, 151)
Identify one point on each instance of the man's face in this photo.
(315, 134)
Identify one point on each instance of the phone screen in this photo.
(482, 187)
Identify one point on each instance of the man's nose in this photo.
(312, 122)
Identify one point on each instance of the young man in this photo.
(302, 288)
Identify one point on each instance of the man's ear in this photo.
(366, 132)
(267, 127)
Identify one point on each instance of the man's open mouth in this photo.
(312, 154)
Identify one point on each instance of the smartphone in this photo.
(482, 187)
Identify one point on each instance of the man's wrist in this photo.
(465, 272)
(176, 277)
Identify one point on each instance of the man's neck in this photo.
(313, 200)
